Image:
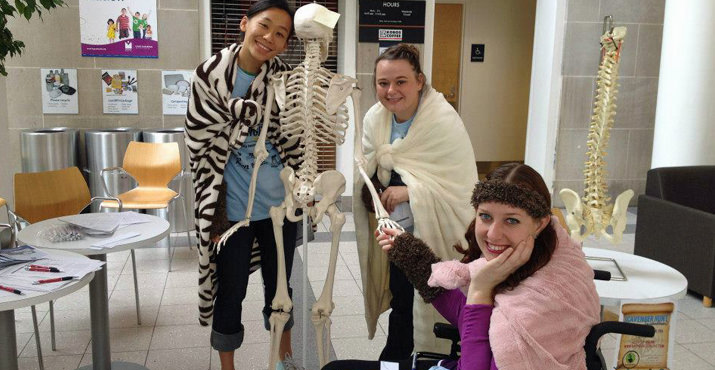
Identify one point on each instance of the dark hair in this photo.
(110, 20)
(401, 51)
(545, 243)
(262, 5)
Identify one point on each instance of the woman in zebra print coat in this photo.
(224, 118)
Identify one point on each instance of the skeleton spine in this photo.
(595, 187)
(309, 170)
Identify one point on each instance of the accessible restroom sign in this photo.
(396, 21)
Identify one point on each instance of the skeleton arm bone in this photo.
(383, 218)
(260, 154)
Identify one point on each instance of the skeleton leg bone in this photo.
(330, 184)
(278, 322)
(282, 304)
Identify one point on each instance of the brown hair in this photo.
(401, 51)
(545, 243)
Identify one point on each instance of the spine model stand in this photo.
(592, 212)
(312, 101)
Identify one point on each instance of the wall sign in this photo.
(119, 91)
(59, 90)
(397, 21)
(477, 53)
(175, 91)
(119, 28)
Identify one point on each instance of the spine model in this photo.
(593, 212)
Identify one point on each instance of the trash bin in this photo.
(176, 219)
(49, 149)
(105, 148)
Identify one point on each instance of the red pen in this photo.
(42, 268)
(11, 290)
(54, 280)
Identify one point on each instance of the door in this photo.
(447, 51)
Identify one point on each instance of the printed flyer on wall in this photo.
(641, 353)
(119, 91)
(119, 28)
(59, 91)
(175, 91)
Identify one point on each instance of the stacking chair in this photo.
(43, 195)
(12, 243)
(153, 166)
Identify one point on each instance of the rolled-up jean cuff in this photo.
(267, 323)
(226, 342)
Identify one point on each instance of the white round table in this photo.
(647, 280)
(8, 303)
(149, 233)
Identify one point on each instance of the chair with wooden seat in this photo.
(43, 195)
(153, 166)
(11, 242)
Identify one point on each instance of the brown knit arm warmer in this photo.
(415, 259)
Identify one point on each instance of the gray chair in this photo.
(676, 224)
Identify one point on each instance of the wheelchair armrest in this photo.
(446, 331)
(601, 275)
(617, 327)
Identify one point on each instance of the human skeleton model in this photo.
(312, 101)
(592, 211)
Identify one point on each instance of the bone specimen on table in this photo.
(592, 213)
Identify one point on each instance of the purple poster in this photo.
(119, 28)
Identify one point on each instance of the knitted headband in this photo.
(512, 194)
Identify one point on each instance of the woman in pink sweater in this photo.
(522, 297)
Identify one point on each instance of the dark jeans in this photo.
(137, 34)
(400, 340)
(232, 270)
(375, 365)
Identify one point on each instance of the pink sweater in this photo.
(543, 322)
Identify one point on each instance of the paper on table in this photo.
(19, 278)
(110, 242)
(24, 253)
(131, 217)
(97, 222)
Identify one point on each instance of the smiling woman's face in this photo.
(398, 87)
(500, 226)
(266, 34)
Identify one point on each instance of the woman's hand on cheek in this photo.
(497, 270)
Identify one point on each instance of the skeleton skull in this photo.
(314, 21)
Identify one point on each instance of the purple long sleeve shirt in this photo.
(472, 320)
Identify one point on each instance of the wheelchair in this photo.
(594, 357)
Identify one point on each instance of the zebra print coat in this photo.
(216, 124)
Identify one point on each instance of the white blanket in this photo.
(436, 162)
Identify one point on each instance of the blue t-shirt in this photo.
(402, 213)
(239, 168)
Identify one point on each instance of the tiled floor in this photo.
(171, 338)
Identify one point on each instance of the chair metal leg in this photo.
(52, 325)
(136, 287)
(170, 249)
(37, 338)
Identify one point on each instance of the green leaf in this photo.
(28, 12)
(20, 6)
